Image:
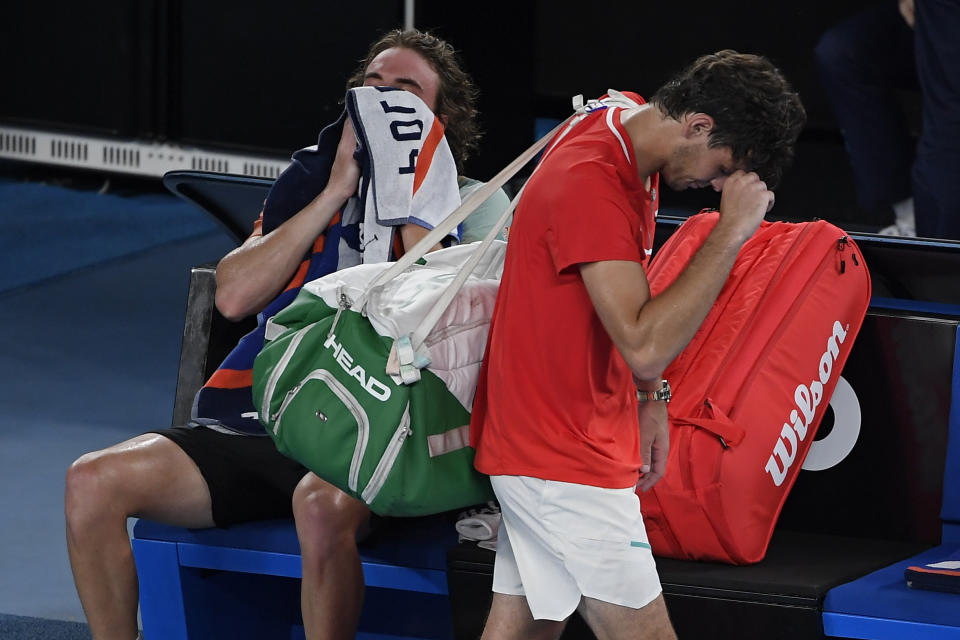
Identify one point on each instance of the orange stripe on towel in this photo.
(426, 154)
(231, 379)
(301, 274)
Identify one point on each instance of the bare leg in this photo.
(328, 524)
(147, 476)
(614, 622)
(510, 619)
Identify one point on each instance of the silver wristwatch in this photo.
(663, 393)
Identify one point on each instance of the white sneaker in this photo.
(904, 220)
(899, 229)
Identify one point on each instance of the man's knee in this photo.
(510, 619)
(610, 621)
(325, 515)
(127, 478)
(91, 488)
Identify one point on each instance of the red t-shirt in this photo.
(556, 399)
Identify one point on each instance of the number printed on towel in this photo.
(407, 134)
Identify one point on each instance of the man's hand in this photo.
(744, 203)
(907, 11)
(654, 443)
(251, 275)
(345, 173)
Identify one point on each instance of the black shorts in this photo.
(247, 477)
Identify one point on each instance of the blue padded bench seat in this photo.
(408, 554)
(243, 581)
(880, 605)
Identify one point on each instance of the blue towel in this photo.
(941, 575)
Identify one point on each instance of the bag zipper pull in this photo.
(343, 304)
(283, 405)
(841, 247)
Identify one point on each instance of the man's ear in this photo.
(697, 124)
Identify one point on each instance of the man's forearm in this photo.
(251, 275)
(667, 322)
(650, 332)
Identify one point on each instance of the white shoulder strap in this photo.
(407, 356)
(430, 320)
(438, 233)
(478, 196)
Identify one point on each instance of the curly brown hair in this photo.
(456, 95)
(755, 111)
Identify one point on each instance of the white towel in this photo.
(480, 525)
(411, 174)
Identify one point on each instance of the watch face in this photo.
(661, 394)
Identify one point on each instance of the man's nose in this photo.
(717, 183)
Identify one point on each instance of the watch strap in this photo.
(661, 394)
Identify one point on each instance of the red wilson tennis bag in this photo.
(750, 389)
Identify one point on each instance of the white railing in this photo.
(128, 156)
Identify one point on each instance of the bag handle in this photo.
(429, 321)
(614, 99)
(476, 198)
(406, 356)
(472, 201)
(716, 422)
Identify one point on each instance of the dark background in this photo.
(265, 77)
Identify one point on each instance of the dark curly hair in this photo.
(755, 111)
(456, 95)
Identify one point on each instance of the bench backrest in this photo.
(901, 477)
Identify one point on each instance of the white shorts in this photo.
(559, 541)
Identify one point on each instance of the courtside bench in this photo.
(881, 505)
(835, 565)
(244, 581)
(880, 605)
